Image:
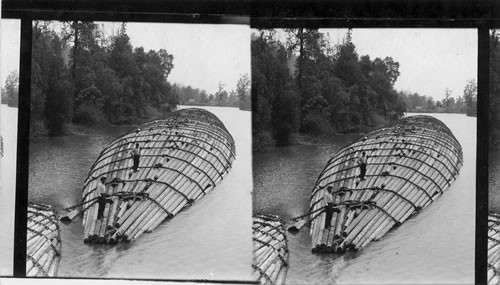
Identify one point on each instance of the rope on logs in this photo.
(493, 248)
(182, 158)
(270, 250)
(408, 165)
(43, 243)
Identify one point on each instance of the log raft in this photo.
(493, 248)
(409, 165)
(270, 251)
(43, 247)
(183, 157)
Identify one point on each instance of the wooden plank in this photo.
(43, 247)
(410, 164)
(270, 249)
(493, 248)
(182, 158)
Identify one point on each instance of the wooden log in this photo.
(409, 165)
(182, 158)
(493, 265)
(270, 249)
(43, 246)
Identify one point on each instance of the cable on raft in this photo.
(270, 250)
(150, 174)
(493, 248)
(378, 182)
(43, 242)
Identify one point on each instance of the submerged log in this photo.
(295, 227)
(493, 248)
(43, 247)
(270, 252)
(409, 165)
(183, 157)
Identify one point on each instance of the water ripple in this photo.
(436, 246)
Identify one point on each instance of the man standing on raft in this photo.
(136, 154)
(101, 197)
(362, 166)
(328, 198)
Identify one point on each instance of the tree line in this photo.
(307, 85)
(466, 103)
(240, 97)
(79, 75)
(10, 90)
(494, 87)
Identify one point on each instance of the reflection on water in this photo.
(209, 240)
(8, 130)
(436, 246)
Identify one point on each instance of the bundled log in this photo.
(43, 248)
(493, 248)
(182, 159)
(409, 165)
(270, 249)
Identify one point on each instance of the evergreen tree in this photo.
(10, 91)
(80, 76)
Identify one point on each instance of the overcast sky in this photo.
(10, 36)
(203, 54)
(430, 60)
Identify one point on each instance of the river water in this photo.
(8, 131)
(209, 240)
(434, 247)
(494, 181)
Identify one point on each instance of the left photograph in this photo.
(140, 151)
(9, 74)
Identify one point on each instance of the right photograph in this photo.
(494, 162)
(364, 155)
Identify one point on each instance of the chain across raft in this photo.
(409, 165)
(270, 249)
(493, 248)
(182, 159)
(43, 242)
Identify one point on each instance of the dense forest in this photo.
(466, 103)
(80, 76)
(310, 86)
(305, 85)
(494, 104)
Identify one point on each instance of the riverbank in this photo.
(265, 142)
(38, 132)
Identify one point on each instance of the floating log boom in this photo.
(270, 250)
(43, 247)
(493, 248)
(409, 165)
(182, 158)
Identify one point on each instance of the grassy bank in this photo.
(262, 142)
(38, 130)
